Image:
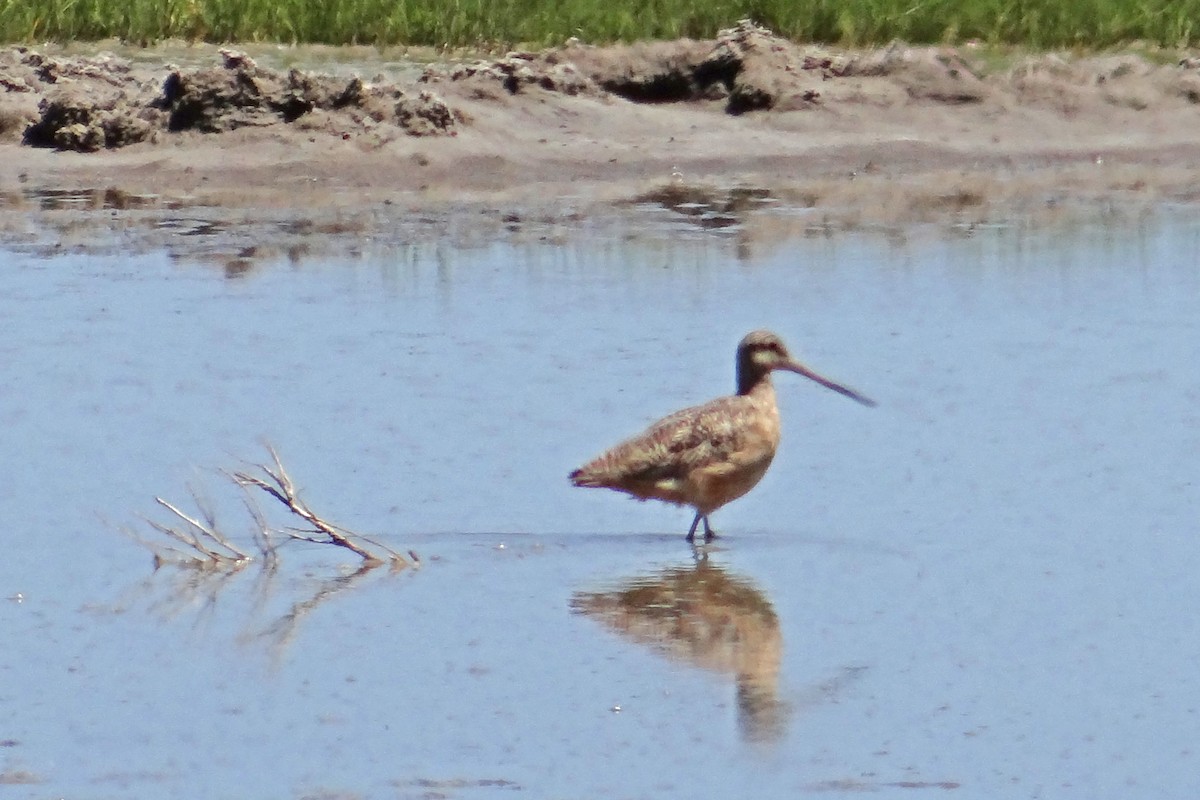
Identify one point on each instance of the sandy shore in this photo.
(888, 136)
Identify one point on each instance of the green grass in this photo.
(1039, 24)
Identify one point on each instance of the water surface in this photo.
(983, 587)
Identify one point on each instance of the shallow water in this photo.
(982, 587)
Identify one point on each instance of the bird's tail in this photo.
(582, 477)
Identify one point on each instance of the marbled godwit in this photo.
(708, 455)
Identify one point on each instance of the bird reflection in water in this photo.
(702, 615)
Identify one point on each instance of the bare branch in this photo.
(205, 533)
(200, 533)
(279, 485)
(185, 537)
(261, 531)
(211, 529)
(206, 530)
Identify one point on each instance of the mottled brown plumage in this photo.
(708, 455)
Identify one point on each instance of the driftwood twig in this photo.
(204, 544)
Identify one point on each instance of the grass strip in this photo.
(1037, 24)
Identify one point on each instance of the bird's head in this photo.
(761, 352)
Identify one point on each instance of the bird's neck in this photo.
(754, 382)
(763, 408)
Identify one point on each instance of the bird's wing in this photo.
(672, 447)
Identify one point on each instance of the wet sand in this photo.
(894, 135)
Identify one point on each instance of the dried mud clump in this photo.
(1126, 81)
(645, 72)
(71, 103)
(242, 94)
(518, 72)
(746, 67)
(72, 120)
(424, 115)
(1186, 80)
(92, 104)
(758, 68)
(749, 68)
(940, 75)
(936, 74)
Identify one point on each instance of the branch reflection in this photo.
(253, 603)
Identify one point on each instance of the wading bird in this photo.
(708, 455)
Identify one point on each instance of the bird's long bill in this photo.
(800, 369)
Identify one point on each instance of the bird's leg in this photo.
(709, 533)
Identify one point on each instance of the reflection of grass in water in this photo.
(1052, 23)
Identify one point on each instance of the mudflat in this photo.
(895, 134)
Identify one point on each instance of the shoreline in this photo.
(889, 137)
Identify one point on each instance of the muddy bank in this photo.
(890, 135)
